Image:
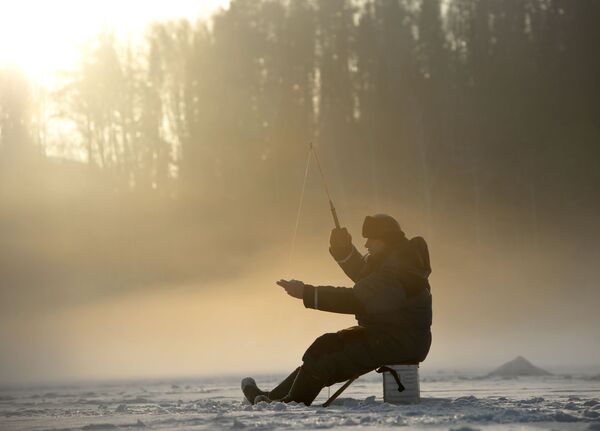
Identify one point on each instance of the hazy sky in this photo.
(42, 37)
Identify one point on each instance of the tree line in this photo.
(481, 110)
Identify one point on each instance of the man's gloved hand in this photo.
(340, 238)
(294, 288)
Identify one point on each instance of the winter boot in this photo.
(250, 390)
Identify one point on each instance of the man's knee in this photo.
(333, 360)
(323, 345)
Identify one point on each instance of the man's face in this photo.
(375, 246)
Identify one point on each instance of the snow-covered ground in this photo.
(448, 402)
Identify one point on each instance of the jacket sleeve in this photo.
(334, 299)
(350, 260)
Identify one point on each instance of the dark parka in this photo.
(391, 300)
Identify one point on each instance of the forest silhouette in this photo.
(474, 122)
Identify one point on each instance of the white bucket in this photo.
(409, 376)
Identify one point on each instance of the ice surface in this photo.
(449, 402)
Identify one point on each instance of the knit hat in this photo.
(383, 227)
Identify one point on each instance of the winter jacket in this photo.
(391, 294)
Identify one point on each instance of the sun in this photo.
(41, 37)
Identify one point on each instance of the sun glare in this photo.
(41, 37)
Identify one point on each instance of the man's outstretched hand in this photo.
(293, 288)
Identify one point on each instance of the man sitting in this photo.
(391, 300)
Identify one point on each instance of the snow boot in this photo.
(250, 390)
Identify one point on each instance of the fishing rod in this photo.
(336, 221)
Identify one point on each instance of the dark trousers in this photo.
(338, 356)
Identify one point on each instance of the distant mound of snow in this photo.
(518, 367)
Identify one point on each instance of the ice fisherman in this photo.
(391, 301)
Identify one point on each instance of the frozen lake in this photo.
(448, 402)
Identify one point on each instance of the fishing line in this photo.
(336, 221)
(299, 210)
(324, 181)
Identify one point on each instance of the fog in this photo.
(148, 202)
